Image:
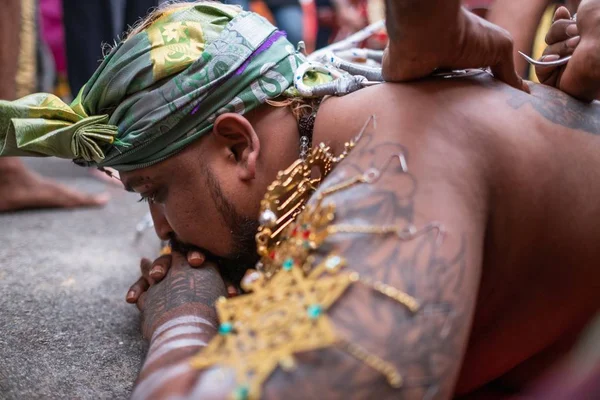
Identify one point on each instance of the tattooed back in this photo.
(512, 178)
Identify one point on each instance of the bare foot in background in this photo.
(22, 189)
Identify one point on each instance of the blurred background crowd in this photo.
(63, 41)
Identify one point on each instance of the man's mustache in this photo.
(232, 269)
(179, 246)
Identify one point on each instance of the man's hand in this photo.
(183, 289)
(154, 272)
(179, 319)
(442, 35)
(581, 76)
(562, 39)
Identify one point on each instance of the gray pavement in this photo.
(65, 329)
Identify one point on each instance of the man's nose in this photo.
(161, 225)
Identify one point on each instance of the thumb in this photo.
(504, 68)
(548, 75)
(486, 44)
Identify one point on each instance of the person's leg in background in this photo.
(10, 29)
(326, 17)
(88, 25)
(289, 18)
(19, 187)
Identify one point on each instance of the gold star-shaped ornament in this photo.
(263, 330)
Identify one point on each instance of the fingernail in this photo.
(573, 42)
(232, 291)
(130, 295)
(157, 271)
(559, 10)
(550, 57)
(572, 30)
(196, 256)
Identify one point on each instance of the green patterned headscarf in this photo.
(157, 91)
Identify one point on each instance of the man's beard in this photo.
(243, 230)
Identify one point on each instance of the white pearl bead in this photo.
(267, 218)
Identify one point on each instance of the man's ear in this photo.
(236, 133)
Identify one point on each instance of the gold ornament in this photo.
(314, 225)
(285, 315)
(286, 197)
(263, 330)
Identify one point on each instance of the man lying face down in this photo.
(507, 175)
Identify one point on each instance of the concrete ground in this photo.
(65, 329)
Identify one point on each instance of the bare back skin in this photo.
(513, 178)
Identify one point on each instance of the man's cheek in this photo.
(186, 221)
(180, 219)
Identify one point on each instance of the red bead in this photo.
(306, 234)
(272, 255)
(295, 231)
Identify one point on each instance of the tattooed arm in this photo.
(430, 34)
(178, 318)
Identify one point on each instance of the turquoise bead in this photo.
(225, 328)
(314, 311)
(241, 393)
(288, 264)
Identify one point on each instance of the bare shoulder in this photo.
(558, 108)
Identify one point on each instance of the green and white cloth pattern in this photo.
(159, 90)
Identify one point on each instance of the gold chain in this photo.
(385, 368)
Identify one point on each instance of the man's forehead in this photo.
(158, 171)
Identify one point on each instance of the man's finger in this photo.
(561, 31)
(159, 268)
(232, 290)
(141, 302)
(145, 264)
(561, 12)
(548, 75)
(562, 49)
(195, 258)
(136, 290)
(504, 69)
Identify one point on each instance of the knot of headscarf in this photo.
(157, 91)
(41, 124)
